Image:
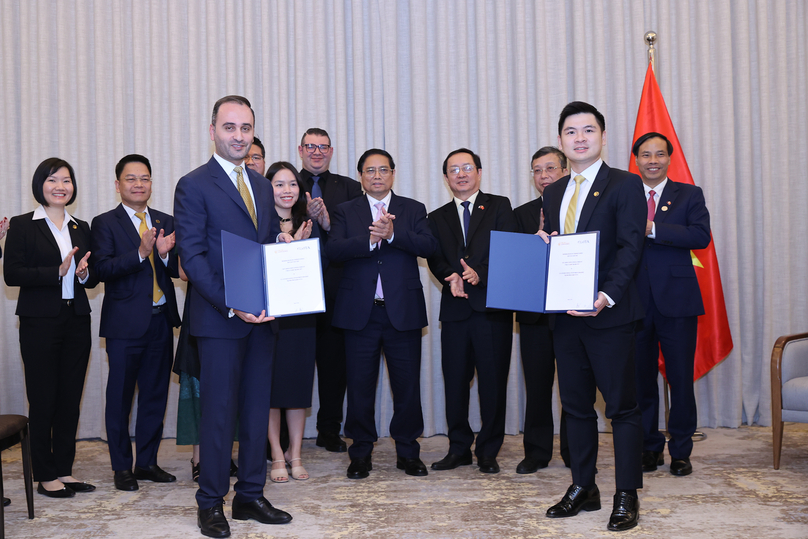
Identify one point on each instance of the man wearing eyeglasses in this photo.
(472, 336)
(325, 191)
(255, 157)
(535, 339)
(380, 306)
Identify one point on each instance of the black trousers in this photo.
(331, 372)
(55, 352)
(591, 359)
(145, 362)
(538, 364)
(482, 342)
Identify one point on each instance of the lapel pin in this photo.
(481, 207)
(157, 221)
(596, 193)
(74, 227)
(664, 208)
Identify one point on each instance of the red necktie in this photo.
(651, 206)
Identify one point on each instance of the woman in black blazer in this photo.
(46, 256)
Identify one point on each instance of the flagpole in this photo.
(650, 38)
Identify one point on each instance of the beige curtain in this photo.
(92, 81)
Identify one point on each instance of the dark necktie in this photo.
(466, 220)
(316, 192)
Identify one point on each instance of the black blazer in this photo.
(396, 262)
(336, 190)
(528, 219)
(615, 205)
(128, 282)
(491, 212)
(32, 262)
(666, 272)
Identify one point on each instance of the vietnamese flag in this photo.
(714, 341)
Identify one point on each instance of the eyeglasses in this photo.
(255, 157)
(310, 148)
(371, 171)
(549, 170)
(467, 168)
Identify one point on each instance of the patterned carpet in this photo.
(733, 493)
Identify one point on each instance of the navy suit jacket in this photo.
(128, 282)
(491, 212)
(666, 271)
(615, 205)
(396, 262)
(205, 203)
(32, 262)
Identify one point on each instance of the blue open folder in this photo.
(518, 273)
(281, 279)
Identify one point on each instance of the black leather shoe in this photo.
(652, 459)
(6, 502)
(233, 469)
(260, 510)
(125, 480)
(530, 465)
(154, 473)
(681, 467)
(574, 500)
(64, 492)
(80, 487)
(625, 513)
(452, 461)
(212, 523)
(359, 468)
(488, 464)
(414, 466)
(332, 442)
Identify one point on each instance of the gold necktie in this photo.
(156, 292)
(569, 220)
(245, 194)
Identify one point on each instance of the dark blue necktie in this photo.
(316, 192)
(466, 219)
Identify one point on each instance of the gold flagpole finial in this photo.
(650, 38)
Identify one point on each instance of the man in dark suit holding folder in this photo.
(235, 347)
(595, 350)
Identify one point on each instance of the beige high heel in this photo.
(298, 472)
(278, 475)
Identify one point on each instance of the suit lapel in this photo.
(127, 225)
(477, 214)
(453, 221)
(362, 211)
(666, 200)
(554, 209)
(43, 227)
(226, 185)
(593, 197)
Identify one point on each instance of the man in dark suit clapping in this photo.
(133, 254)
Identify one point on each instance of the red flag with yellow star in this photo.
(714, 341)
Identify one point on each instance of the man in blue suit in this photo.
(380, 305)
(595, 350)
(235, 347)
(677, 222)
(133, 255)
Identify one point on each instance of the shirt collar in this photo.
(386, 200)
(590, 173)
(228, 166)
(40, 213)
(471, 200)
(131, 211)
(658, 189)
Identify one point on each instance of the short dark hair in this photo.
(257, 142)
(230, 99)
(45, 169)
(547, 150)
(579, 107)
(375, 151)
(299, 213)
(315, 131)
(645, 138)
(131, 158)
(474, 156)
